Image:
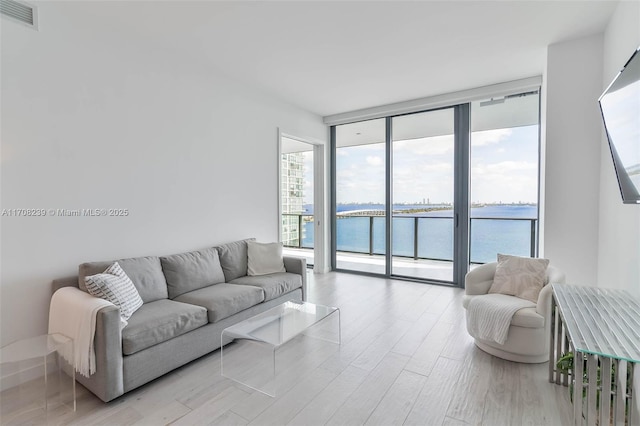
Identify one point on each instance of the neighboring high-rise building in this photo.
(292, 197)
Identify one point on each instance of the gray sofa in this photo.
(189, 298)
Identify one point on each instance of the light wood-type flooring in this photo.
(405, 359)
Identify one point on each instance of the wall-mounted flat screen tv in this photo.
(620, 107)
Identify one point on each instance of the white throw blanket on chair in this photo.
(73, 314)
(489, 316)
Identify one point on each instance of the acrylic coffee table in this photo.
(252, 350)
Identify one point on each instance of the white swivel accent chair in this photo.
(529, 333)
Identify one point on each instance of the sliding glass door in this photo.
(360, 194)
(422, 225)
(430, 194)
(394, 196)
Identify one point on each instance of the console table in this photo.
(601, 327)
(29, 401)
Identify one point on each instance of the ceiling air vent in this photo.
(19, 12)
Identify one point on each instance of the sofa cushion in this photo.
(223, 300)
(186, 272)
(233, 258)
(274, 285)
(145, 273)
(159, 321)
(528, 318)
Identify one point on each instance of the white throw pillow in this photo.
(522, 277)
(116, 287)
(264, 258)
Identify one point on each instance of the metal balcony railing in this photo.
(420, 237)
(294, 237)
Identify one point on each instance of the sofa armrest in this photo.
(297, 265)
(107, 382)
(543, 306)
(479, 279)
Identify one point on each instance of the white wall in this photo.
(92, 118)
(573, 82)
(619, 255)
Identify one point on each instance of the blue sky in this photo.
(504, 167)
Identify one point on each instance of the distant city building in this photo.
(292, 197)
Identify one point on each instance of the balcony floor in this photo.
(406, 267)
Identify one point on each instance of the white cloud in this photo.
(439, 167)
(374, 160)
(488, 137)
(356, 190)
(423, 168)
(437, 145)
(346, 174)
(376, 147)
(508, 167)
(507, 181)
(420, 180)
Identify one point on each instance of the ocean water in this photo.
(489, 234)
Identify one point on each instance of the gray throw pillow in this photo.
(191, 271)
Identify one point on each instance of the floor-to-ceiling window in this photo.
(427, 195)
(504, 162)
(422, 173)
(360, 191)
(297, 198)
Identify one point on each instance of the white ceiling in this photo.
(333, 57)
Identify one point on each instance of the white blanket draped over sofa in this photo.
(73, 313)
